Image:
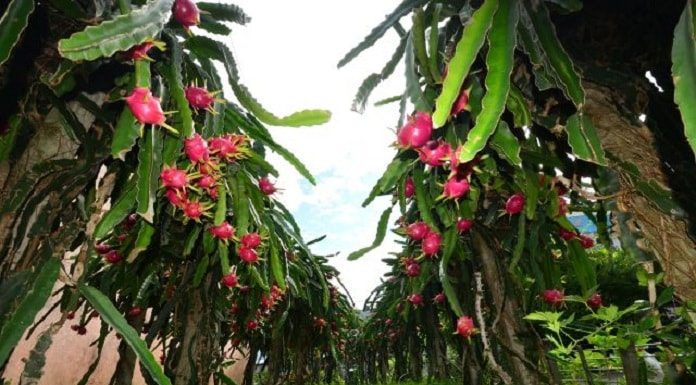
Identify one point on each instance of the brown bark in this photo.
(510, 327)
(664, 235)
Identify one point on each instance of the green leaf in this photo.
(404, 8)
(517, 104)
(175, 85)
(118, 34)
(145, 233)
(119, 210)
(12, 24)
(257, 132)
(226, 12)
(297, 119)
(555, 57)
(241, 204)
(8, 139)
(418, 39)
(467, 49)
(397, 168)
(379, 237)
(149, 167)
(209, 24)
(433, 44)
(277, 265)
(221, 205)
(372, 81)
(506, 144)
(583, 139)
(583, 267)
(450, 242)
(413, 87)
(423, 199)
(113, 317)
(502, 40)
(684, 70)
(30, 305)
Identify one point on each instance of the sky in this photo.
(287, 57)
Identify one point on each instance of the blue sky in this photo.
(287, 57)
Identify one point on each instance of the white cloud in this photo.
(287, 57)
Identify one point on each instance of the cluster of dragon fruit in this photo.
(417, 135)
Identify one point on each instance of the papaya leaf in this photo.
(379, 236)
(113, 317)
(502, 40)
(684, 70)
(465, 53)
(118, 34)
(12, 24)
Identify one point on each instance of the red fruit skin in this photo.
(566, 235)
(416, 132)
(134, 311)
(186, 13)
(515, 204)
(145, 107)
(417, 230)
(413, 270)
(81, 330)
(248, 255)
(113, 257)
(193, 210)
(196, 149)
(176, 197)
(455, 188)
(462, 103)
(251, 240)
(434, 153)
(595, 301)
(199, 98)
(102, 248)
(229, 280)
(252, 325)
(206, 182)
(223, 231)
(586, 241)
(465, 326)
(464, 225)
(409, 188)
(431, 244)
(439, 298)
(266, 187)
(139, 51)
(553, 297)
(227, 147)
(173, 178)
(415, 299)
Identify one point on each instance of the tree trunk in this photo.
(199, 347)
(511, 328)
(663, 235)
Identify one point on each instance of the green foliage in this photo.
(31, 302)
(684, 70)
(118, 34)
(12, 24)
